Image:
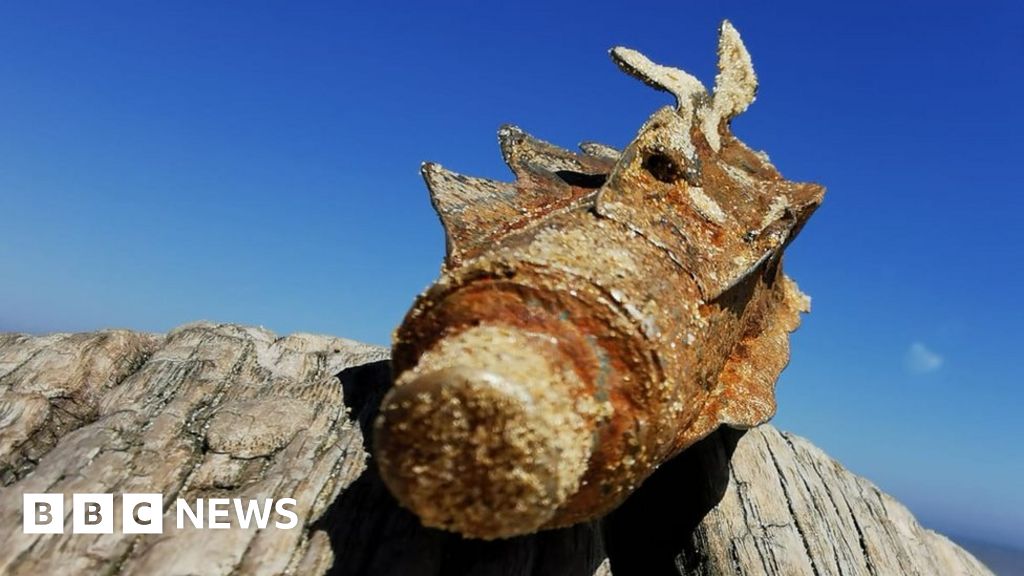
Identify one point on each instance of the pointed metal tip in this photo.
(736, 82)
(631, 62)
(427, 168)
(509, 137)
(438, 178)
(809, 193)
(509, 132)
(600, 150)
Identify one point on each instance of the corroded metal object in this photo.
(596, 316)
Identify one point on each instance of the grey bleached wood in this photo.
(205, 411)
(214, 410)
(791, 509)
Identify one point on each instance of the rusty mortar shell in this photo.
(596, 316)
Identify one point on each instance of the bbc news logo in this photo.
(144, 513)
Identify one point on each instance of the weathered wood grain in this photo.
(228, 411)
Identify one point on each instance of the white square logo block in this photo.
(92, 513)
(142, 513)
(42, 513)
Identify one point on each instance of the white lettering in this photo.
(42, 513)
(218, 508)
(279, 507)
(252, 509)
(92, 513)
(196, 517)
(143, 513)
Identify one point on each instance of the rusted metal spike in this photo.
(472, 210)
(520, 149)
(596, 317)
(477, 212)
(539, 164)
(736, 82)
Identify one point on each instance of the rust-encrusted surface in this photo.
(596, 316)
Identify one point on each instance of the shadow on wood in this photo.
(371, 534)
(647, 533)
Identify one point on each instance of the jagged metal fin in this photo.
(545, 163)
(477, 212)
(473, 211)
(680, 84)
(600, 150)
(747, 382)
(744, 395)
(790, 204)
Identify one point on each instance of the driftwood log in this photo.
(229, 411)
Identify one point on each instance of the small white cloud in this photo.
(921, 360)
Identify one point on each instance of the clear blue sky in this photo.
(258, 163)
